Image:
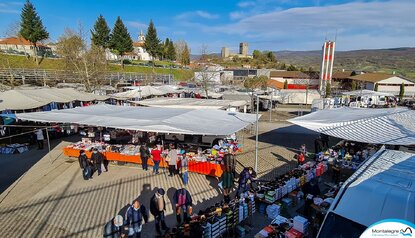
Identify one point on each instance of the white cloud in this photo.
(10, 7)
(198, 13)
(236, 15)
(379, 21)
(246, 4)
(136, 24)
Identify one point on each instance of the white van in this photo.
(383, 187)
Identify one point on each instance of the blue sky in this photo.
(264, 24)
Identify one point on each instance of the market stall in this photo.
(159, 121)
(394, 126)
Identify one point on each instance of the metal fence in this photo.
(47, 76)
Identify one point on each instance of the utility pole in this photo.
(256, 133)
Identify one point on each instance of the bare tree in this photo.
(204, 52)
(13, 30)
(87, 62)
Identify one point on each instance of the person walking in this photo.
(97, 159)
(39, 138)
(134, 217)
(85, 166)
(184, 162)
(183, 201)
(157, 208)
(156, 156)
(144, 154)
(172, 159)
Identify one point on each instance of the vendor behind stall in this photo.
(310, 189)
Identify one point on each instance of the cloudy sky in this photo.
(265, 24)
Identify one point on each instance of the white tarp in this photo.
(393, 126)
(386, 181)
(190, 103)
(366, 92)
(164, 120)
(33, 98)
(138, 92)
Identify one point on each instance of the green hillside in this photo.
(400, 60)
(16, 61)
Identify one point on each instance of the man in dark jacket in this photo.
(97, 159)
(183, 201)
(85, 166)
(144, 154)
(134, 217)
(157, 208)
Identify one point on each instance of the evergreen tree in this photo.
(292, 68)
(285, 84)
(402, 91)
(185, 56)
(31, 27)
(152, 44)
(100, 35)
(376, 87)
(171, 51)
(166, 49)
(328, 90)
(121, 41)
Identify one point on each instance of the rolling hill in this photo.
(400, 60)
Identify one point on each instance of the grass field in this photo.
(16, 61)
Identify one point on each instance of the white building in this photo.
(138, 53)
(386, 83)
(214, 73)
(19, 45)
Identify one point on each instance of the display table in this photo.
(205, 168)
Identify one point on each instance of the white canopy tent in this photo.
(163, 120)
(366, 93)
(386, 181)
(33, 98)
(191, 103)
(394, 126)
(138, 92)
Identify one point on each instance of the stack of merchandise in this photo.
(252, 204)
(245, 207)
(215, 227)
(240, 213)
(262, 208)
(240, 231)
(270, 196)
(300, 224)
(222, 224)
(293, 233)
(273, 211)
(279, 220)
(229, 220)
(265, 232)
(207, 230)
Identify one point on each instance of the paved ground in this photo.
(52, 200)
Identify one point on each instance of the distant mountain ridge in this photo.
(400, 60)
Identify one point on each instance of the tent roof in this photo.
(165, 120)
(138, 92)
(386, 181)
(366, 92)
(393, 126)
(22, 99)
(191, 103)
